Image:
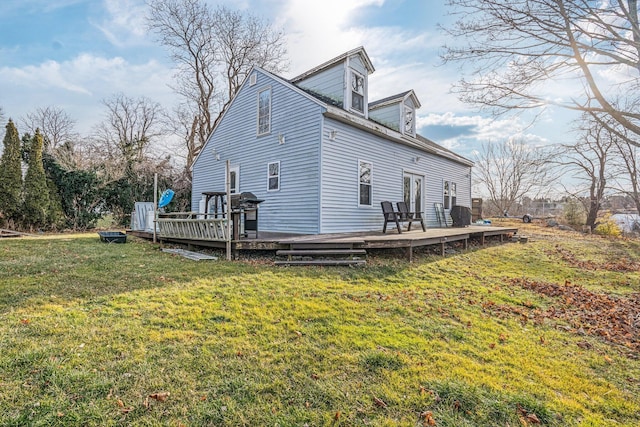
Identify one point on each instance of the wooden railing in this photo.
(192, 226)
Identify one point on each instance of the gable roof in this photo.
(338, 113)
(357, 51)
(396, 98)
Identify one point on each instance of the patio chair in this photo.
(389, 215)
(410, 217)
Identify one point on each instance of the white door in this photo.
(234, 179)
(414, 191)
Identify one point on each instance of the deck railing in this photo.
(192, 226)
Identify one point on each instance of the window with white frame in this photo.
(264, 111)
(234, 179)
(445, 195)
(409, 121)
(357, 92)
(454, 194)
(273, 176)
(365, 173)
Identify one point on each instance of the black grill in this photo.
(461, 216)
(245, 200)
(246, 204)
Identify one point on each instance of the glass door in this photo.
(413, 185)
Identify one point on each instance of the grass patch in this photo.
(97, 334)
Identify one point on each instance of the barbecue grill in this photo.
(245, 206)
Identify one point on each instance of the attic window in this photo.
(357, 92)
(409, 121)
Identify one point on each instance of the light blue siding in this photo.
(340, 210)
(356, 63)
(295, 207)
(329, 83)
(388, 115)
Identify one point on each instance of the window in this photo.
(264, 111)
(409, 121)
(273, 176)
(364, 188)
(357, 92)
(445, 195)
(453, 191)
(234, 179)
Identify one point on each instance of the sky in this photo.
(73, 54)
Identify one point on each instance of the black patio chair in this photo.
(410, 217)
(389, 215)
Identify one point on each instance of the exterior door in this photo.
(234, 179)
(414, 191)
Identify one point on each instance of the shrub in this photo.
(608, 227)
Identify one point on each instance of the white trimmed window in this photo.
(409, 121)
(357, 92)
(365, 173)
(445, 195)
(273, 176)
(264, 111)
(454, 194)
(234, 179)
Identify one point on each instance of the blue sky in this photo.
(75, 53)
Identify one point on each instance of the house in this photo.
(322, 156)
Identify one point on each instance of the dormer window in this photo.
(409, 121)
(357, 92)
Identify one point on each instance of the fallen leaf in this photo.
(160, 397)
(379, 402)
(532, 418)
(120, 403)
(25, 321)
(542, 340)
(337, 415)
(298, 333)
(608, 359)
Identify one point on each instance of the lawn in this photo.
(542, 333)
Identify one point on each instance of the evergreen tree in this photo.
(36, 191)
(10, 176)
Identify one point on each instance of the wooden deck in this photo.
(357, 240)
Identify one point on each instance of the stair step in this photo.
(323, 262)
(311, 245)
(315, 252)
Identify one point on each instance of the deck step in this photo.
(321, 252)
(323, 245)
(323, 262)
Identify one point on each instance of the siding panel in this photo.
(340, 210)
(295, 207)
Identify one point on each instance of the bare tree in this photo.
(511, 47)
(213, 50)
(129, 128)
(626, 167)
(56, 126)
(511, 170)
(588, 161)
(245, 41)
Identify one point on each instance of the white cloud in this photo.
(79, 85)
(124, 23)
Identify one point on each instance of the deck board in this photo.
(364, 240)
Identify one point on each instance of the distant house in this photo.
(323, 157)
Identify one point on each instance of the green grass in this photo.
(91, 332)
